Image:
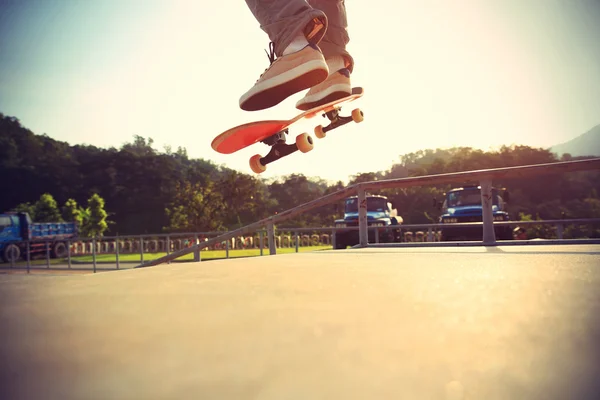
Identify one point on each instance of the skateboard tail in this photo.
(246, 135)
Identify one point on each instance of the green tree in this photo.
(537, 231)
(71, 212)
(96, 224)
(294, 190)
(365, 177)
(195, 208)
(26, 208)
(46, 209)
(245, 197)
(140, 146)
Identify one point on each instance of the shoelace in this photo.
(271, 55)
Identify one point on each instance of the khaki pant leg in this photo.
(283, 20)
(336, 38)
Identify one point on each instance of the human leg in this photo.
(340, 62)
(295, 29)
(284, 20)
(336, 37)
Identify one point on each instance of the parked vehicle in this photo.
(17, 230)
(379, 214)
(463, 205)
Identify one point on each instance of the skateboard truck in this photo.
(337, 120)
(280, 149)
(279, 137)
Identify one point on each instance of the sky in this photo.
(436, 74)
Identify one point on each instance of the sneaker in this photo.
(336, 86)
(286, 76)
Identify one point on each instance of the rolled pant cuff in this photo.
(330, 49)
(312, 23)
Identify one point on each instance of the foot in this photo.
(286, 76)
(336, 86)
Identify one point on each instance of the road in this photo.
(514, 322)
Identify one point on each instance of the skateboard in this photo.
(273, 132)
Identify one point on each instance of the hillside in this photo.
(587, 144)
(149, 191)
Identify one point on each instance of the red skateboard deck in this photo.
(272, 132)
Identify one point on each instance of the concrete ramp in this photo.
(450, 323)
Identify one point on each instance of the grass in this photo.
(204, 255)
(135, 258)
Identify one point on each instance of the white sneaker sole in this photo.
(272, 91)
(332, 93)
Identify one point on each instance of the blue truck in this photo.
(379, 214)
(17, 230)
(463, 204)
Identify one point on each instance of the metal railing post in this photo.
(28, 256)
(333, 238)
(227, 248)
(168, 247)
(260, 241)
(142, 248)
(363, 232)
(271, 239)
(489, 236)
(69, 253)
(94, 253)
(47, 254)
(297, 239)
(559, 231)
(117, 251)
(12, 257)
(197, 251)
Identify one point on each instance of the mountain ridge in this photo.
(586, 144)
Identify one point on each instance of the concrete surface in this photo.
(449, 323)
(64, 268)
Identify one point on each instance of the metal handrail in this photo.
(484, 176)
(429, 229)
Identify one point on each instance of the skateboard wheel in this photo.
(357, 115)
(255, 164)
(319, 132)
(304, 142)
